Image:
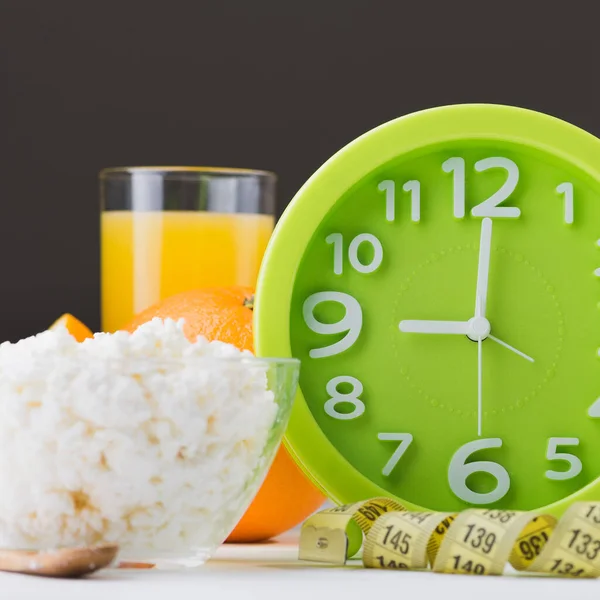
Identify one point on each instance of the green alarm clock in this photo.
(439, 278)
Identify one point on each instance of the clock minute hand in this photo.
(483, 267)
(435, 327)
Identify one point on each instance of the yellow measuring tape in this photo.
(474, 542)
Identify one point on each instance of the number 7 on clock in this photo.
(405, 440)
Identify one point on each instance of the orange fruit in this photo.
(74, 326)
(223, 314)
(286, 497)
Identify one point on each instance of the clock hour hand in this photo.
(442, 327)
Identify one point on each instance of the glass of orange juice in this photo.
(166, 230)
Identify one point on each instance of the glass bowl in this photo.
(162, 457)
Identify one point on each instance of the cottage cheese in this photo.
(144, 439)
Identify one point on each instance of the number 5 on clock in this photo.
(405, 440)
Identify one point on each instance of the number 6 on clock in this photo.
(350, 323)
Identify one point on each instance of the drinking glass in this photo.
(166, 230)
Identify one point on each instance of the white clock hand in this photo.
(449, 327)
(479, 384)
(483, 267)
(479, 335)
(511, 348)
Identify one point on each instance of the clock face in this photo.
(445, 305)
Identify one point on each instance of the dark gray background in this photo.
(270, 84)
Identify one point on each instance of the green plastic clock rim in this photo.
(321, 462)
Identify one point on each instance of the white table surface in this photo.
(272, 572)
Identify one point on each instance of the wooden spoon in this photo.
(62, 562)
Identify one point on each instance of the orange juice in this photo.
(148, 256)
